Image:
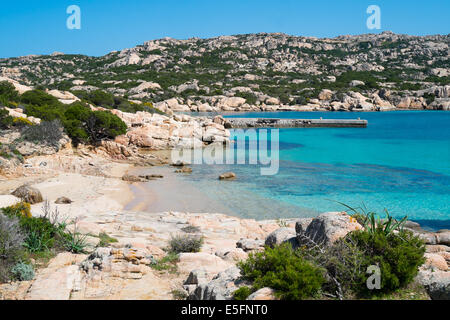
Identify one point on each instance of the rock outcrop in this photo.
(327, 227)
(28, 194)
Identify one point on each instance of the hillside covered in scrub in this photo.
(257, 72)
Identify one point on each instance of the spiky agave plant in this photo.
(372, 223)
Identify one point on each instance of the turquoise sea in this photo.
(400, 162)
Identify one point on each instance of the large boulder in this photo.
(437, 283)
(63, 200)
(279, 236)
(227, 176)
(210, 263)
(439, 290)
(325, 94)
(262, 294)
(28, 194)
(250, 244)
(328, 227)
(221, 287)
(443, 237)
(436, 260)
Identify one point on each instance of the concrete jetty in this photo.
(295, 123)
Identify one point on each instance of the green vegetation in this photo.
(179, 294)
(23, 271)
(47, 132)
(284, 270)
(185, 243)
(8, 93)
(341, 270)
(190, 229)
(74, 242)
(84, 125)
(23, 237)
(107, 100)
(105, 240)
(167, 263)
(11, 246)
(79, 121)
(5, 119)
(242, 293)
(397, 255)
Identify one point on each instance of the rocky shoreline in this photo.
(123, 270)
(90, 187)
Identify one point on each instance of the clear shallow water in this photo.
(401, 162)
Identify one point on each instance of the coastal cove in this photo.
(399, 162)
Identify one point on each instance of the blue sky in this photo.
(39, 27)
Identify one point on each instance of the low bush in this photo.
(21, 122)
(185, 243)
(242, 293)
(11, 236)
(284, 270)
(38, 98)
(105, 240)
(20, 209)
(11, 246)
(40, 233)
(23, 271)
(74, 242)
(190, 229)
(168, 262)
(8, 92)
(47, 132)
(6, 120)
(398, 255)
(84, 125)
(343, 262)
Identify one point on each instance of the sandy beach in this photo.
(170, 193)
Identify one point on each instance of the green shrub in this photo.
(20, 209)
(343, 262)
(284, 270)
(6, 120)
(398, 255)
(23, 271)
(179, 294)
(168, 262)
(8, 92)
(39, 98)
(45, 112)
(73, 241)
(11, 236)
(190, 229)
(242, 293)
(373, 224)
(104, 125)
(47, 132)
(84, 125)
(185, 243)
(97, 97)
(11, 246)
(40, 232)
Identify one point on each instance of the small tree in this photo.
(5, 119)
(8, 92)
(104, 125)
(84, 125)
